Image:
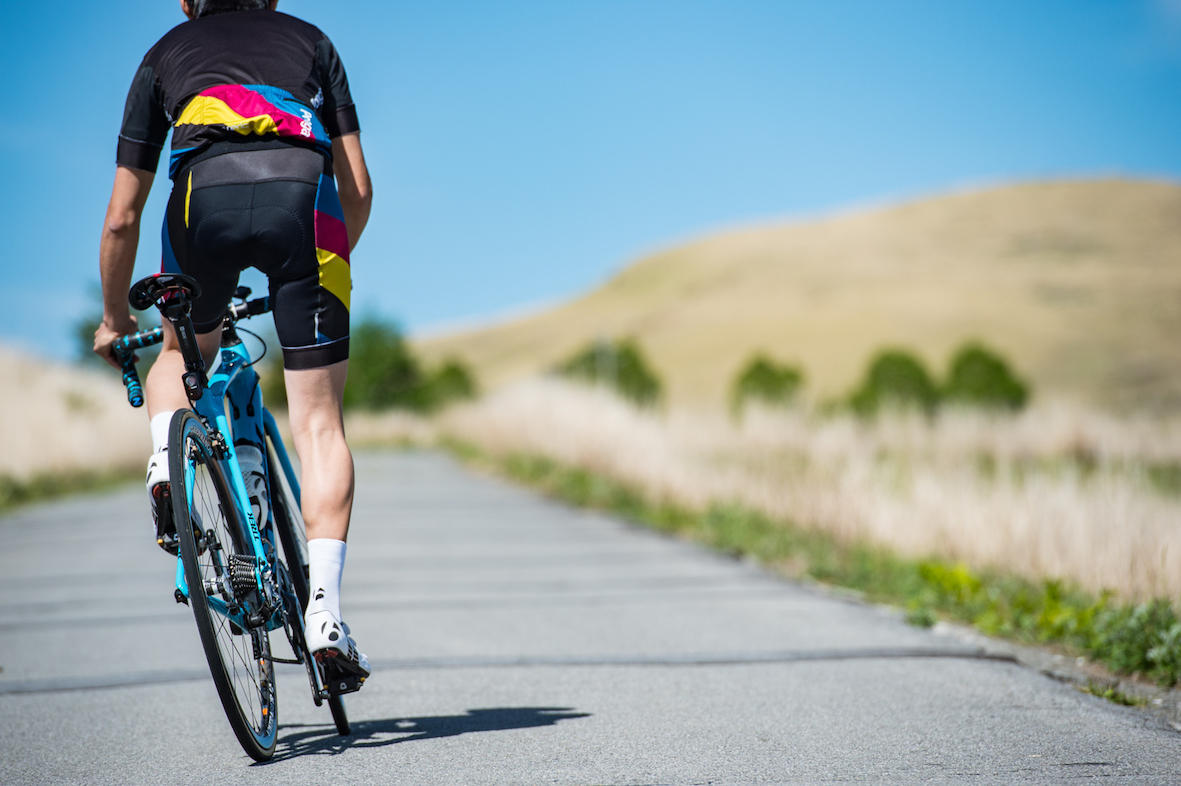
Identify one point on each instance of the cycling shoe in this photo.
(329, 641)
(160, 495)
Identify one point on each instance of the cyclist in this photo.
(262, 119)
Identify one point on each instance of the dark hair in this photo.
(210, 7)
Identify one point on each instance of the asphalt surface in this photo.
(516, 640)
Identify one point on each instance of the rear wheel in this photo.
(218, 566)
(290, 528)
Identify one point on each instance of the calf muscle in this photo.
(317, 426)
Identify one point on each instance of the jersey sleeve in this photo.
(338, 112)
(145, 124)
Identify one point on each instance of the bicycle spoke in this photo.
(239, 656)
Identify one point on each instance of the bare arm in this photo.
(352, 183)
(116, 255)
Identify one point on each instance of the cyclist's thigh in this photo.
(310, 287)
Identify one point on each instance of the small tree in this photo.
(763, 380)
(382, 371)
(621, 366)
(895, 378)
(980, 377)
(452, 381)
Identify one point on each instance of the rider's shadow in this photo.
(379, 733)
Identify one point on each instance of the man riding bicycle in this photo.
(262, 124)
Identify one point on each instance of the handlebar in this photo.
(125, 347)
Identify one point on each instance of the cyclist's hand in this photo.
(107, 333)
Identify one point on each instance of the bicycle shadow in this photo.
(323, 739)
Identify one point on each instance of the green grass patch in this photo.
(47, 485)
(1138, 639)
(1166, 478)
(1113, 695)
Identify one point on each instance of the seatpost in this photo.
(176, 311)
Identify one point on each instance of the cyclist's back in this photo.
(257, 97)
(258, 77)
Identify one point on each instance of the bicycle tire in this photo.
(289, 527)
(239, 662)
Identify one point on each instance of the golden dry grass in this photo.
(63, 418)
(1058, 491)
(1077, 282)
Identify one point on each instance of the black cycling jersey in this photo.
(243, 76)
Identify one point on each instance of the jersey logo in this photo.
(318, 99)
(305, 125)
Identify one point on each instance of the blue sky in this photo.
(523, 151)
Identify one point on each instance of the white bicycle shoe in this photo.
(158, 495)
(332, 644)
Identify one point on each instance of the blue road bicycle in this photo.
(228, 570)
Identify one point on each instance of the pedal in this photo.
(340, 676)
(166, 537)
(344, 684)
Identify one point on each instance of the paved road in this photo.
(518, 641)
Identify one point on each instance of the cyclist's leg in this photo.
(163, 390)
(298, 241)
(326, 480)
(217, 275)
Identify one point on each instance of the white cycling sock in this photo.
(325, 565)
(159, 426)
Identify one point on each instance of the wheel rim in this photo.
(245, 654)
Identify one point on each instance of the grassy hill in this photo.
(1078, 282)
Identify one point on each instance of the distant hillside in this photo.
(1078, 282)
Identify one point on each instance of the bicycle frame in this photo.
(235, 382)
(228, 404)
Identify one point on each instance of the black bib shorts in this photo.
(275, 209)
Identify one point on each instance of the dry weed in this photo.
(58, 418)
(1056, 492)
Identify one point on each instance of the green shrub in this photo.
(453, 381)
(980, 377)
(763, 380)
(621, 366)
(382, 371)
(895, 378)
(1143, 638)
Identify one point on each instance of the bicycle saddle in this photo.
(163, 287)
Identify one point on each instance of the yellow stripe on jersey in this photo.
(210, 111)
